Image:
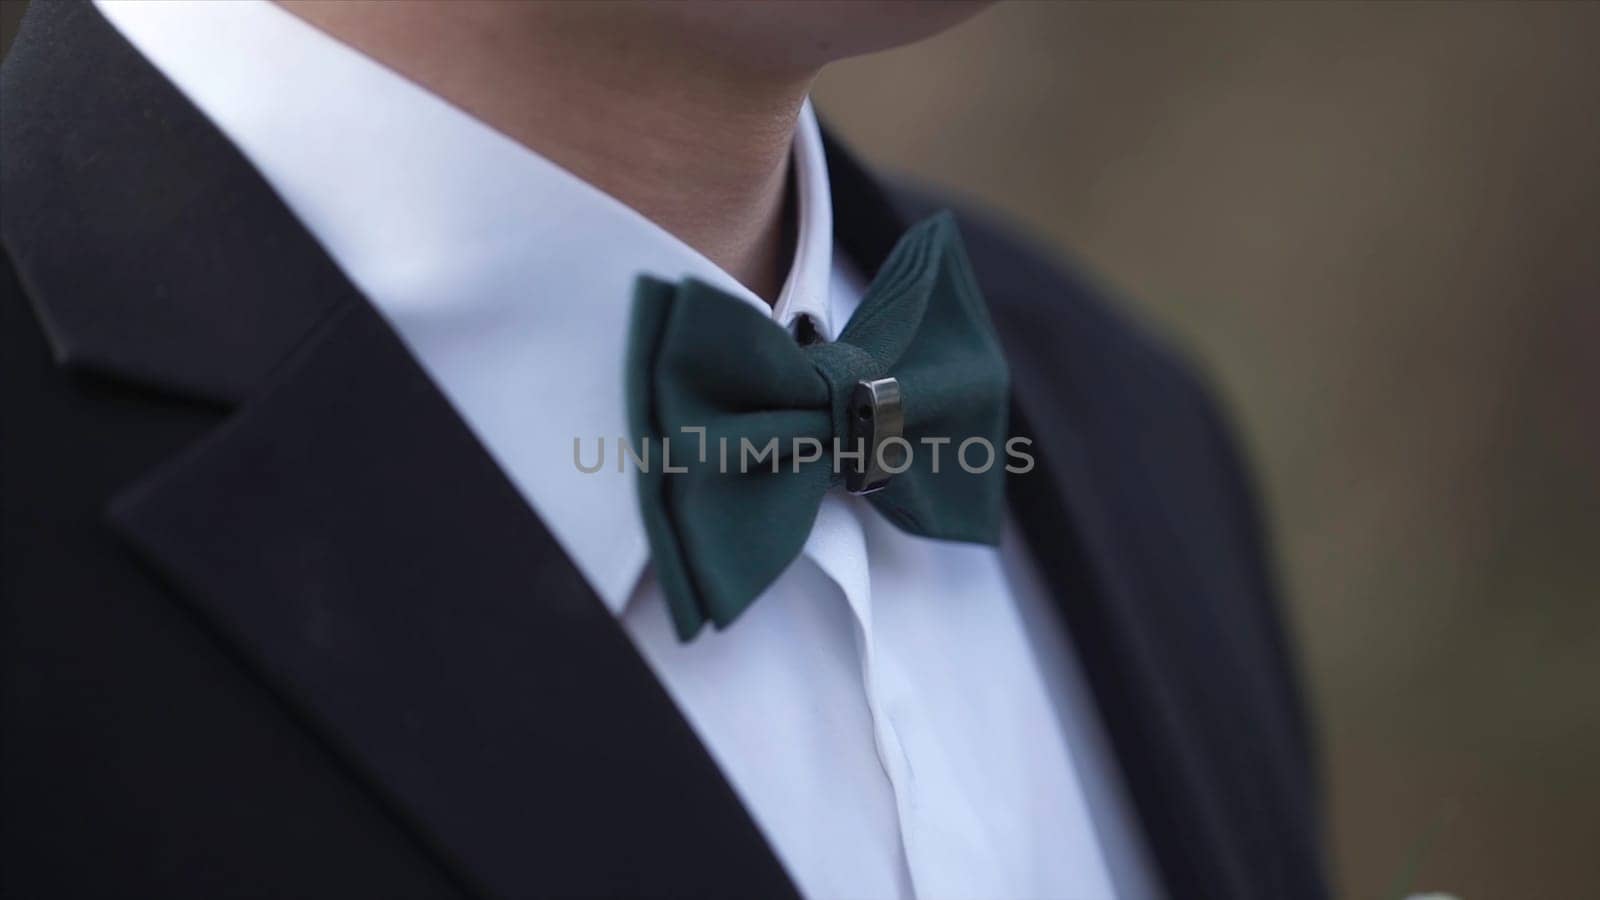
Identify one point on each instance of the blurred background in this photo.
(1377, 227)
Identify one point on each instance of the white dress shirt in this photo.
(902, 716)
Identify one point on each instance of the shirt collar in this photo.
(509, 278)
(806, 291)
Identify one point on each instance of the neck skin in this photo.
(696, 142)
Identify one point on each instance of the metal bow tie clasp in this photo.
(876, 441)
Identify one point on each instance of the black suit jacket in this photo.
(275, 625)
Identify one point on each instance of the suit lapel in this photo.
(342, 527)
(346, 530)
(1073, 536)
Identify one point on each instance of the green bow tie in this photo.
(917, 374)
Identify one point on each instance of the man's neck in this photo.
(697, 145)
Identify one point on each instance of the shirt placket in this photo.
(941, 835)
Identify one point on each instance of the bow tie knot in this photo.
(918, 366)
(843, 367)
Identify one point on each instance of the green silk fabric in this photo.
(699, 358)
